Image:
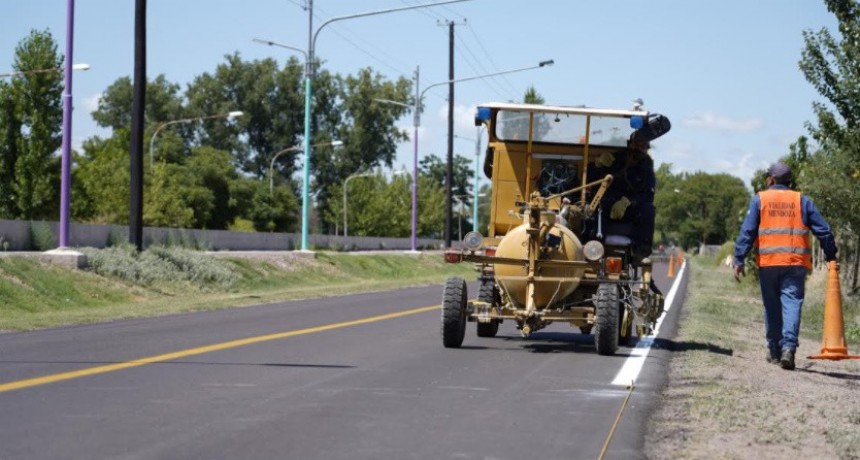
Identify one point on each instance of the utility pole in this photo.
(135, 221)
(449, 173)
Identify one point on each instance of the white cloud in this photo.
(712, 121)
(91, 103)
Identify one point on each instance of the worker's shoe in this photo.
(787, 359)
(773, 357)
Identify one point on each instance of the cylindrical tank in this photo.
(512, 278)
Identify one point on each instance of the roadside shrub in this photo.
(160, 264)
(242, 225)
(195, 267)
(41, 236)
(727, 249)
(116, 261)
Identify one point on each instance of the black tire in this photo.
(606, 319)
(490, 294)
(454, 312)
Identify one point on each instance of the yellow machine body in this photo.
(552, 283)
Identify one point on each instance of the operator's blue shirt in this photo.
(811, 218)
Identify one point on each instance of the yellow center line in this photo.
(200, 350)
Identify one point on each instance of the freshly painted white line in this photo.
(633, 365)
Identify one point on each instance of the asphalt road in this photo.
(355, 377)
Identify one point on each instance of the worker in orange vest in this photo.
(778, 222)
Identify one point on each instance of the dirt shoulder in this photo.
(725, 401)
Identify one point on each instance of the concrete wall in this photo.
(36, 235)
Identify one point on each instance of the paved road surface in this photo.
(357, 377)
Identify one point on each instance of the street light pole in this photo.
(312, 38)
(416, 118)
(345, 185)
(229, 115)
(54, 69)
(66, 155)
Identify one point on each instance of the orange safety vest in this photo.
(783, 239)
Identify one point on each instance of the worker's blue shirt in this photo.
(811, 218)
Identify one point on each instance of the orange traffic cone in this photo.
(671, 266)
(833, 344)
(680, 258)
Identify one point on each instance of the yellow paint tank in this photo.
(513, 278)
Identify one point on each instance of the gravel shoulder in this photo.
(723, 400)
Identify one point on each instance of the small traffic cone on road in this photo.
(680, 258)
(833, 344)
(671, 267)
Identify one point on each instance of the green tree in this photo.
(100, 184)
(272, 100)
(698, 208)
(163, 103)
(832, 177)
(366, 128)
(434, 168)
(532, 96)
(380, 207)
(30, 123)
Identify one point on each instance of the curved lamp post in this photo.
(229, 115)
(295, 148)
(53, 69)
(416, 120)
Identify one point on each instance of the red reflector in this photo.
(453, 256)
(613, 265)
(490, 251)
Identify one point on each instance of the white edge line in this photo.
(633, 364)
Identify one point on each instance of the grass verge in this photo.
(158, 281)
(723, 400)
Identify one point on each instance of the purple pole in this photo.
(66, 161)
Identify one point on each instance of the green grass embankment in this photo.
(122, 284)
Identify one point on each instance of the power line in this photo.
(304, 6)
(487, 54)
(481, 70)
(426, 12)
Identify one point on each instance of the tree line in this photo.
(825, 162)
(214, 172)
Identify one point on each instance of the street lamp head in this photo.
(548, 62)
(80, 67)
(336, 143)
(235, 113)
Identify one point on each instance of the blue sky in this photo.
(725, 72)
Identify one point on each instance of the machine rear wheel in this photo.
(489, 293)
(454, 312)
(606, 319)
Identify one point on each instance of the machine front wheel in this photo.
(454, 312)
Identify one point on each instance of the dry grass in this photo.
(735, 405)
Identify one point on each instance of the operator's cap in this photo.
(780, 172)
